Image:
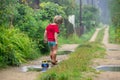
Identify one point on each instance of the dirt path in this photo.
(112, 58)
(16, 73)
(94, 35)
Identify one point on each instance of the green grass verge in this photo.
(112, 34)
(77, 66)
(100, 35)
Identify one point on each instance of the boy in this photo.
(51, 36)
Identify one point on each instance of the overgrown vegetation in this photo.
(21, 45)
(78, 64)
(115, 16)
(25, 23)
(16, 47)
(112, 34)
(90, 20)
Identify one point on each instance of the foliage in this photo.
(16, 47)
(115, 15)
(28, 20)
(77, 66)
(115, 11)
(7, 11)
(25, 20)
(90, 16)
(112, 34)
(49, 10)
(100, 35)
(32, 22)
(68, 5)
(75, 39)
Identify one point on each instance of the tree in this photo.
(49, 10)
(7, 11)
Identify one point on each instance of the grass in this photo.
(112, 34)
(74, 39)
(77, 66)
(63, 52)
(100, 35)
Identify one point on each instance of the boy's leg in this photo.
(50, 54)
(53, 54)
(53, 51)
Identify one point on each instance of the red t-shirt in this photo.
(51, 29)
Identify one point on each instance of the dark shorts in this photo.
(51, 43)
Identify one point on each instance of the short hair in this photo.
(58, 19)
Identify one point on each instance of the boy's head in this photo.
(58, 19)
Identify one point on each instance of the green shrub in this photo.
(16, 47)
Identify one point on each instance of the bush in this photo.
(16, 47)
(30, 22)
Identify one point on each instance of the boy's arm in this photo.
(45, 36)
(56, 37)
